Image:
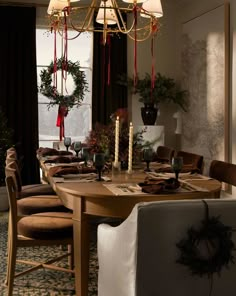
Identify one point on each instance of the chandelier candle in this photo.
(131, 133)
(117, 131)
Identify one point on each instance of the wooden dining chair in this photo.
(223, 171)
(36, 203)
(192, 160)
(42, 229)
(164, 154)
(31, 189)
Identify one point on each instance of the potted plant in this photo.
(164, 90)
(6, 141)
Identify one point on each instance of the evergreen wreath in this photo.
(207, 250)
(50, 91)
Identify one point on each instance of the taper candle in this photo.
(117, 131)
(131, 132)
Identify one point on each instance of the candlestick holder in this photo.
(116, 169)
(129, 174)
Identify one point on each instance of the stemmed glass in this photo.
(67, 142)
(77, 147)
(147, 157)
(85, 154)
(177, 165)
(99, 161)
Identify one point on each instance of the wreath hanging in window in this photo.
(207, 250)
(51, 92)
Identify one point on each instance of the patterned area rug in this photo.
(42, 282)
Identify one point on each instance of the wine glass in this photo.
(85, 154)
(99, 161)
(177, 165)
(147, 156)
(67, 142)
(77, 147)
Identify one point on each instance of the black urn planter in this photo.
(149, 114)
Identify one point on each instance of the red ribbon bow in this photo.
(62, 113)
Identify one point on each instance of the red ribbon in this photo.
(135, 45)
(109, 60)
(153, 67)
(55, 61)
(62, 113)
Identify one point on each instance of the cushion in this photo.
(36, 189)
(38, 204)
(47, 226)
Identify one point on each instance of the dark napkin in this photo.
(187, 168)
(58, 171)
(159, 186)
(46, 151)
(62, 159)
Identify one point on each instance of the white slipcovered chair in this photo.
(138, 257)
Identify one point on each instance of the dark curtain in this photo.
(18, 83)
(107, 98)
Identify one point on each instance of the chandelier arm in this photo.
(89, 17)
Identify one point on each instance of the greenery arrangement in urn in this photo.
(165, 90)
(6, 141)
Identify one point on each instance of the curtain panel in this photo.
(18, 83)
(109, 61)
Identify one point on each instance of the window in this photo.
(79, 120)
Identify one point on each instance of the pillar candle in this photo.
(131, 132)
(117, 130)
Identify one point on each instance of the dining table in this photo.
(115, 197)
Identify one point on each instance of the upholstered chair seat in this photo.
(31, 202)
(26, 190)
(44, 226)
(41, 229)
(38, 204)
(36, 189)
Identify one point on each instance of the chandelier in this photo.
(138, 19)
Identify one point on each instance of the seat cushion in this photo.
(36, 189)
(38, 204)
(49, 225)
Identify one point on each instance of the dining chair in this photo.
(140, 256)
(42, 229)
(192, 160)
(223, 171)
(32, 204)
(164, 154)
(31, 189)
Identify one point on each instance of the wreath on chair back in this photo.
(50, 91)
(207, 250)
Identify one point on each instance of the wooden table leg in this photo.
(81, 248)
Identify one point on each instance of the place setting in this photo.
(172, 182)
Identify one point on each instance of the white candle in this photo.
(117, 130)
(131, 132)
